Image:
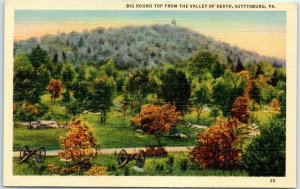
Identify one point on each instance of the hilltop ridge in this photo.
(136, 46)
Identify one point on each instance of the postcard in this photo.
(150, 94)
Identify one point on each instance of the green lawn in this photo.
(113, 134)
(55, 111)
(49, 138)
(262, 116)
(205, 119)
(117, 134)
(157, 166)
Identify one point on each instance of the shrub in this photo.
(75, 169)
(170, 161)
(183, 165)
(52, 168)
(159, 167)
(155, 151)
(37, 168)
(170, 164)
(96, 171)
(275, 105)
(265, 156)
(219, 145)
(66, 97)
(111, 168)
(126, 171)
(64, 171)
(79, 143)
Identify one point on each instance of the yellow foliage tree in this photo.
(79, 144)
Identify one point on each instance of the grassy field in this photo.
(49, 138)
(157, 166)
(262, 117)
(55, 111)
(205, 119)
(117, 134)
(113, 134)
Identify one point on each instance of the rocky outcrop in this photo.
(42, 124)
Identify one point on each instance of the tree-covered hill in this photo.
(137, 46)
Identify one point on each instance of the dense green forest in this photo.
(107, 70)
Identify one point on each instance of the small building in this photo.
(174, 22)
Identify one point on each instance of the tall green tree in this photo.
(43, 77)
(264, 68)
(81, 71)
(239, 65)
(24, 84)
(204, 62)
(55, 58)
(109, 68)
(74, 107)
(68, 75)
(139, 86)
(226, 89)
(175, 89)
(201, 98)
(64, 56)
(80, 42)
(274, 79)
(42, 69)
(57, 67)
(259, 71)
(101, 95)
(29, 83)
(38, 56)
(81, 90)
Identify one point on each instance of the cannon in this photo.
(39, 154)
(124, 158)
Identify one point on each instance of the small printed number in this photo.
(272, 180)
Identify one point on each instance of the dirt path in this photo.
(117, 150)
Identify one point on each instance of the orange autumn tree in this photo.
(156, 120)
(240, 109)
(79, 144)
(219, 145)
(55, 89)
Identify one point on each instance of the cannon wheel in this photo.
(24, 152)
(40, 154)
(140, 159)
(122, 157)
